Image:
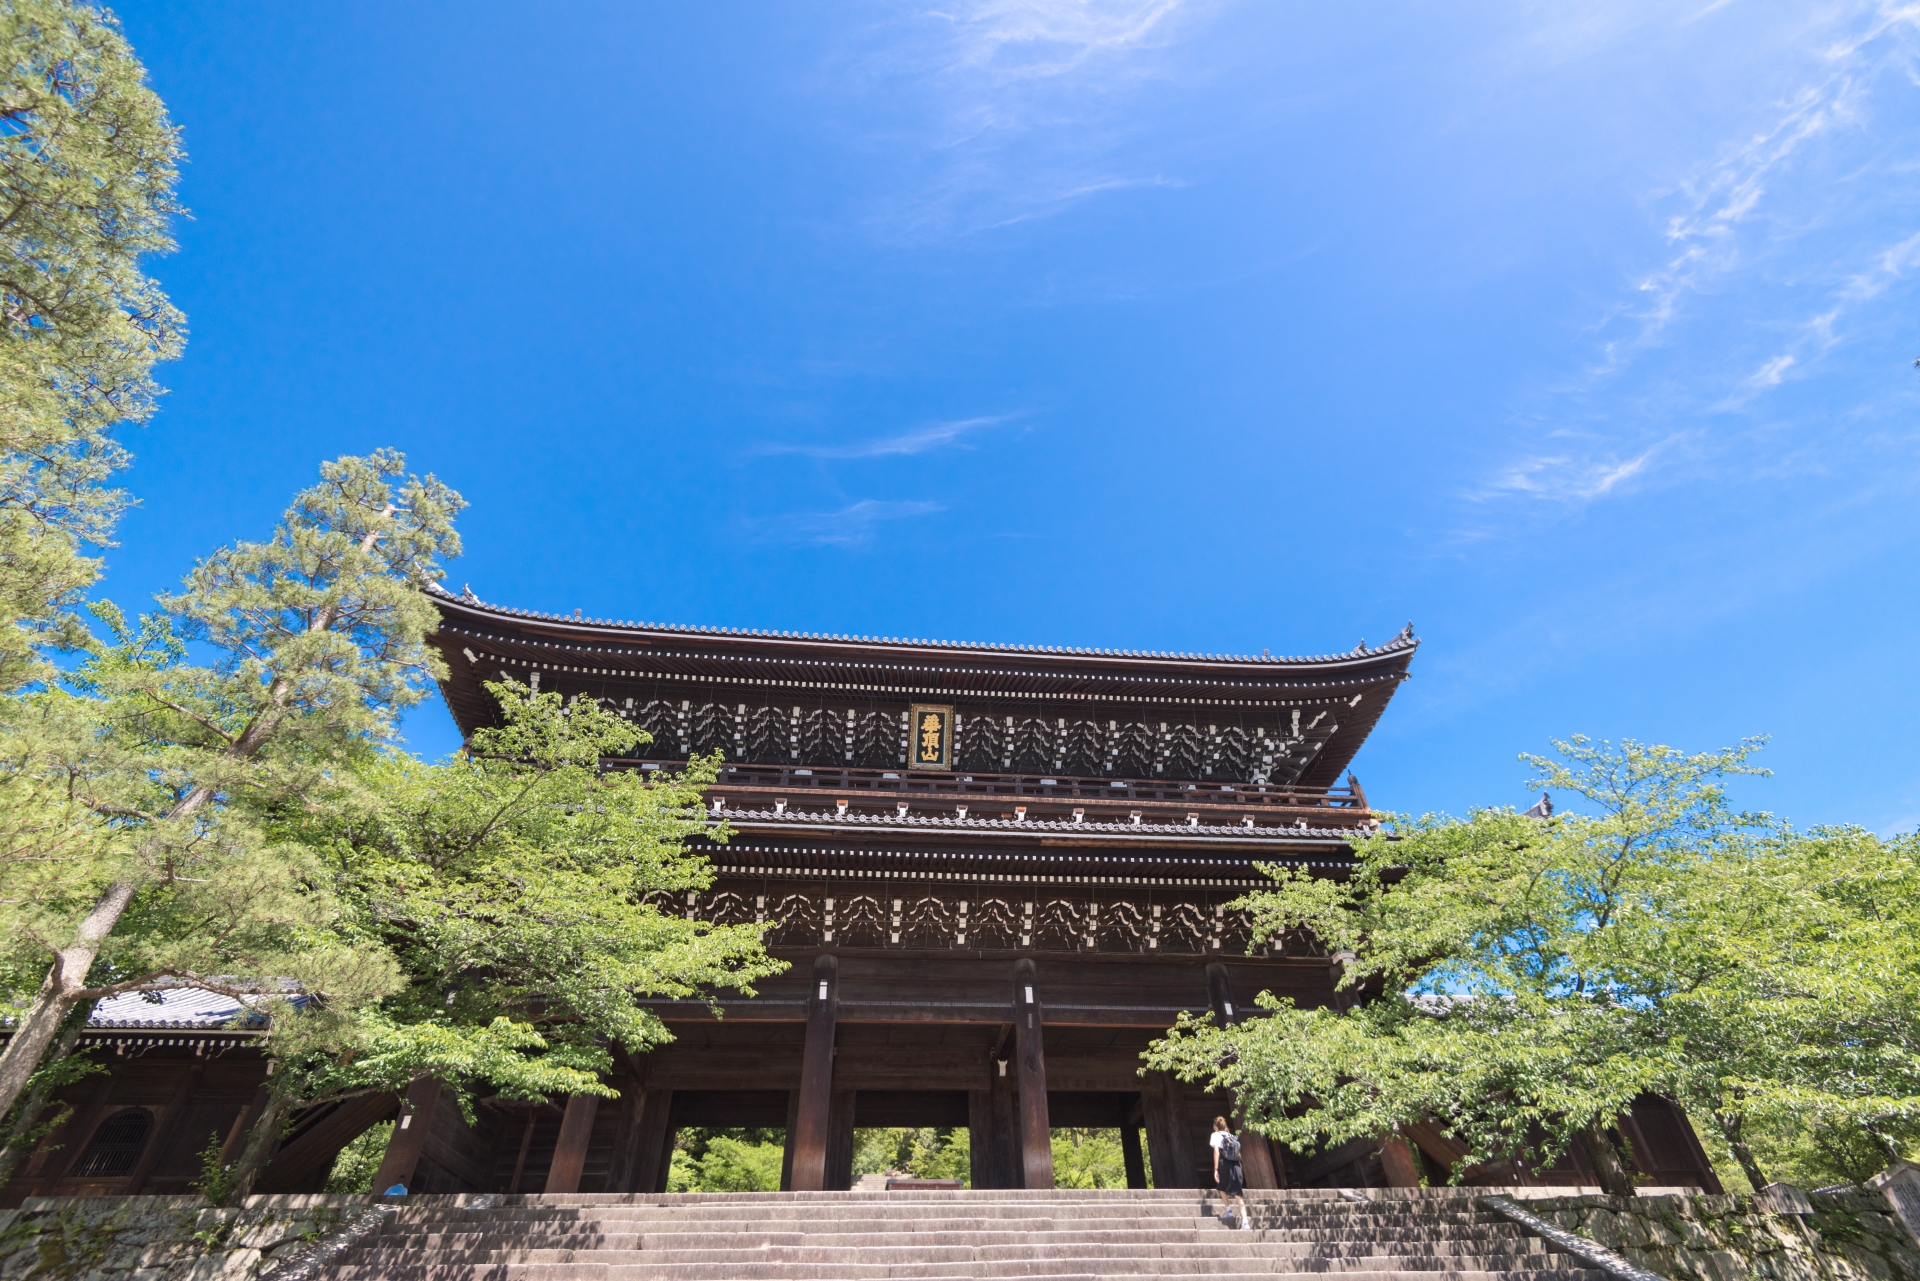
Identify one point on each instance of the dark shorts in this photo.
(1231, 1181)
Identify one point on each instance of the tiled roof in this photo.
(1404, 641)
(174, 1008)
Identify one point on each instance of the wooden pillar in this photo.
(653, 1143)
(980, 1139)
(625, 1130)
(1259, 1164)
(409, 1135)
(811, 1134)
(840, 1140)
(786, 1150)
(570, 1151)
(1398, 1162)
(1036, 1135)
(237, 1132)
(1003, 1106)
(1130, 1145)
(1167, 1146)
(168, 1127)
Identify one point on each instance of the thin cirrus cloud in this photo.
(1015, 110)
(919, 440)
(852, 526)
(1758, 281)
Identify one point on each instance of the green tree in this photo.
(1526, 970)
(148, 775)
(1802, 1037)
(1088, 1159)
(520, 887)
(88, 161)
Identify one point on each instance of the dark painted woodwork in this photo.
(840, 1123)
(1003, 1107)
(306, 1158)
(653, 1141)
(1130, 1155)
(1036, 1132)
(786, 1149)
(1166, 1124)
(167, 1129)
(816, 1080)
(410, 1132)
(570, 1151)
(1397, 1162)
(1260, 1166)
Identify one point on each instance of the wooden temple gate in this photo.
(997, 873)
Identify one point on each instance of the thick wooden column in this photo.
(168, 1129)
(840, 1140)
(570, 1150)
(626, 1128)
(1130, 1145)
(1167, 1125)
(653, 1143)
(811, 1134)
(786, 1151)
(1398, 1162)
(1261, 1166)
(980, 1139)
(1003, 1105)
(409, 1135)
(1036, 1136)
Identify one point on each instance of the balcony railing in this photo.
(907, 786)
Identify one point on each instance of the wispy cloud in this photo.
(850, 526)
(1012, 110)
(1564, 478)
(1758, 278)
(919, 440)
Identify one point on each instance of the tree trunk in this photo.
(20, 1137)
(261, 1141)
(1607, 1166)
(65, 981)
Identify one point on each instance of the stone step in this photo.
(1006, 1258)
(1352, 1243)
(907, 1215)
(1038, 1270)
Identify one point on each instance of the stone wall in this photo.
(1850, 1236)
(161, 1238)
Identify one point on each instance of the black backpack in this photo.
(1229, 1148)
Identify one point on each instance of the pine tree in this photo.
(321, 633)
(88, 161)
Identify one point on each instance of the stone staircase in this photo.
(1412, 1235)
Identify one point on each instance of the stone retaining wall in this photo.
(1850, 1236)
(161, 1238)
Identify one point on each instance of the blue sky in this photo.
(1581, 335)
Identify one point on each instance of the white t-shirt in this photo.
(1218, 1139)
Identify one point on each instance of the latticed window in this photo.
(116, 1145)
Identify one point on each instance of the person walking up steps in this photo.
(1226, 1168)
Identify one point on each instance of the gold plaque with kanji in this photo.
(931, 741)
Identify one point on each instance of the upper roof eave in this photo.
(588, 631)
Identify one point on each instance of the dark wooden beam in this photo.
(1036, 1135)
(816, 1080)
(1261, 1166)
(840, 1117)
(1167, 1148)
(570, 1152)
(1130, 1144)
(169, 1126)
(653, 1142)
(1398, 1162)
(307, 1160)
(409, 1135)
